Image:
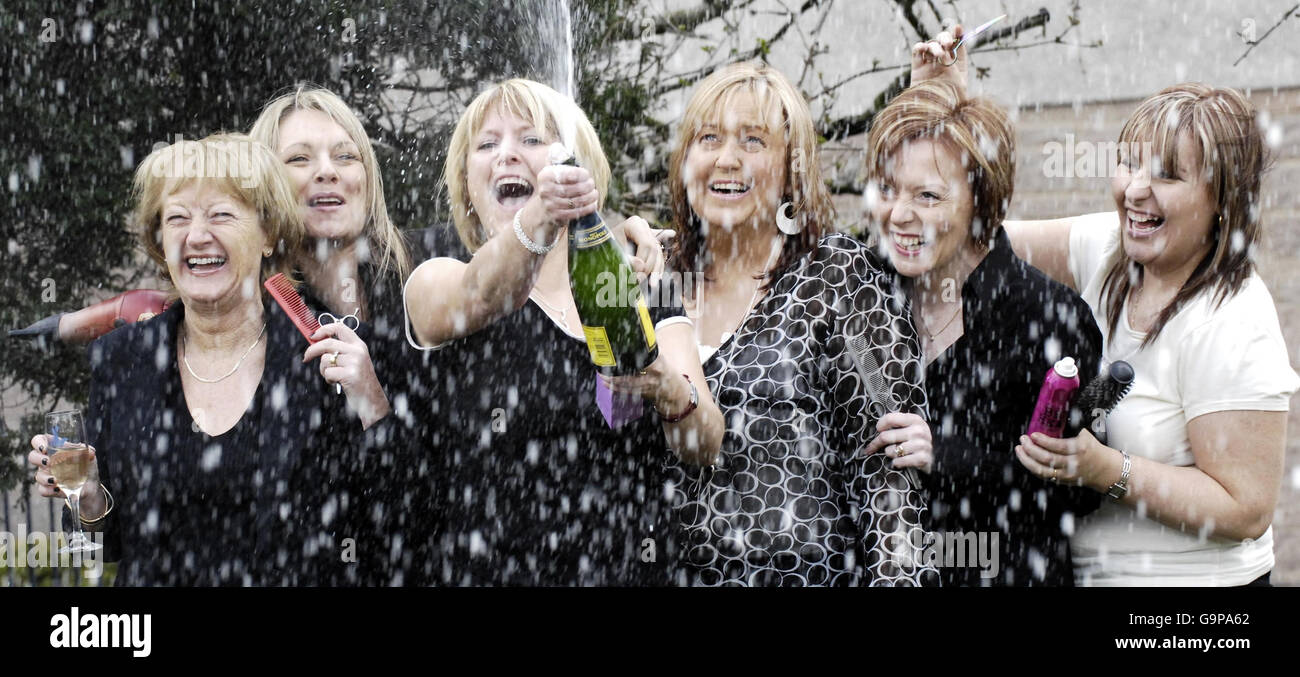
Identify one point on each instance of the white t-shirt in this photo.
(1205, 360)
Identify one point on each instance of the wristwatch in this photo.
(1119, 489)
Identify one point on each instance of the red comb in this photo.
(285, 295)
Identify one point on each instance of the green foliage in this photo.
(87, 90)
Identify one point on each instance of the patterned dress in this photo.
(801, 385)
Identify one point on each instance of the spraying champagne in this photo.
(611, 303)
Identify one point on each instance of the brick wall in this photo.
(1039, 196)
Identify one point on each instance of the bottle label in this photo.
(646, 325)
(602, 355)
(586, 238)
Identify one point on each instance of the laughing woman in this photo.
(536, 487)
(941, 170)
(1194, 459)
(805, 348)
(229, 457)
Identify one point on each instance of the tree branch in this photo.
(856, 124)
(1255, 43)
(691, 77)
(682, 21)
(912, 19)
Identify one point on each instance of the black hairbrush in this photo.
(1102, 394)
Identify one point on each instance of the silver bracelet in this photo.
(108, 498)
(527, 242)
(1120, 488)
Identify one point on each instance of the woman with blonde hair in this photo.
(535, 486)
(805, 348)
(215, 479)
(329, 157)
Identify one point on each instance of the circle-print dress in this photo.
(801, 385)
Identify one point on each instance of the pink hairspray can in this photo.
(1054, 399)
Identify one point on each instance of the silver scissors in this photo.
(330, 318)
(965, 38)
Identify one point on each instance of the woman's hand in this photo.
(91, 498)
(929, 59)
(650, 243)
(1078, 461)
(564, 193)
(697, 437)
(345, 360)
(904, 438)
(664, 388)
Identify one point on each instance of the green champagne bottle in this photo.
(611, 302)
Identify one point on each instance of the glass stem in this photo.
(74, 499)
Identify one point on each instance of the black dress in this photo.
(269, 502)
(792, 501)
(526, 483)
(982, 390)
(398, 510)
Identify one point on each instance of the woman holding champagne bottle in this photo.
(537, 487)
(805, 348)
(230, 459)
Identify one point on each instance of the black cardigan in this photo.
(982, 392)
(269, 502)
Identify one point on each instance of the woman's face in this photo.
(1166, 213)
(324, 164)
(502, 167)
(922, 208)
(213, 245)
(735, 169)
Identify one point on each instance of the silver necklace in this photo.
(564, 314)
(185, 346)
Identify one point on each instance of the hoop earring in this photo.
(787, 224)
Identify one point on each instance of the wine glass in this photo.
(70, 465)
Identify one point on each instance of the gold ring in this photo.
(1054, 471)
(899, 449)
(334, 359)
